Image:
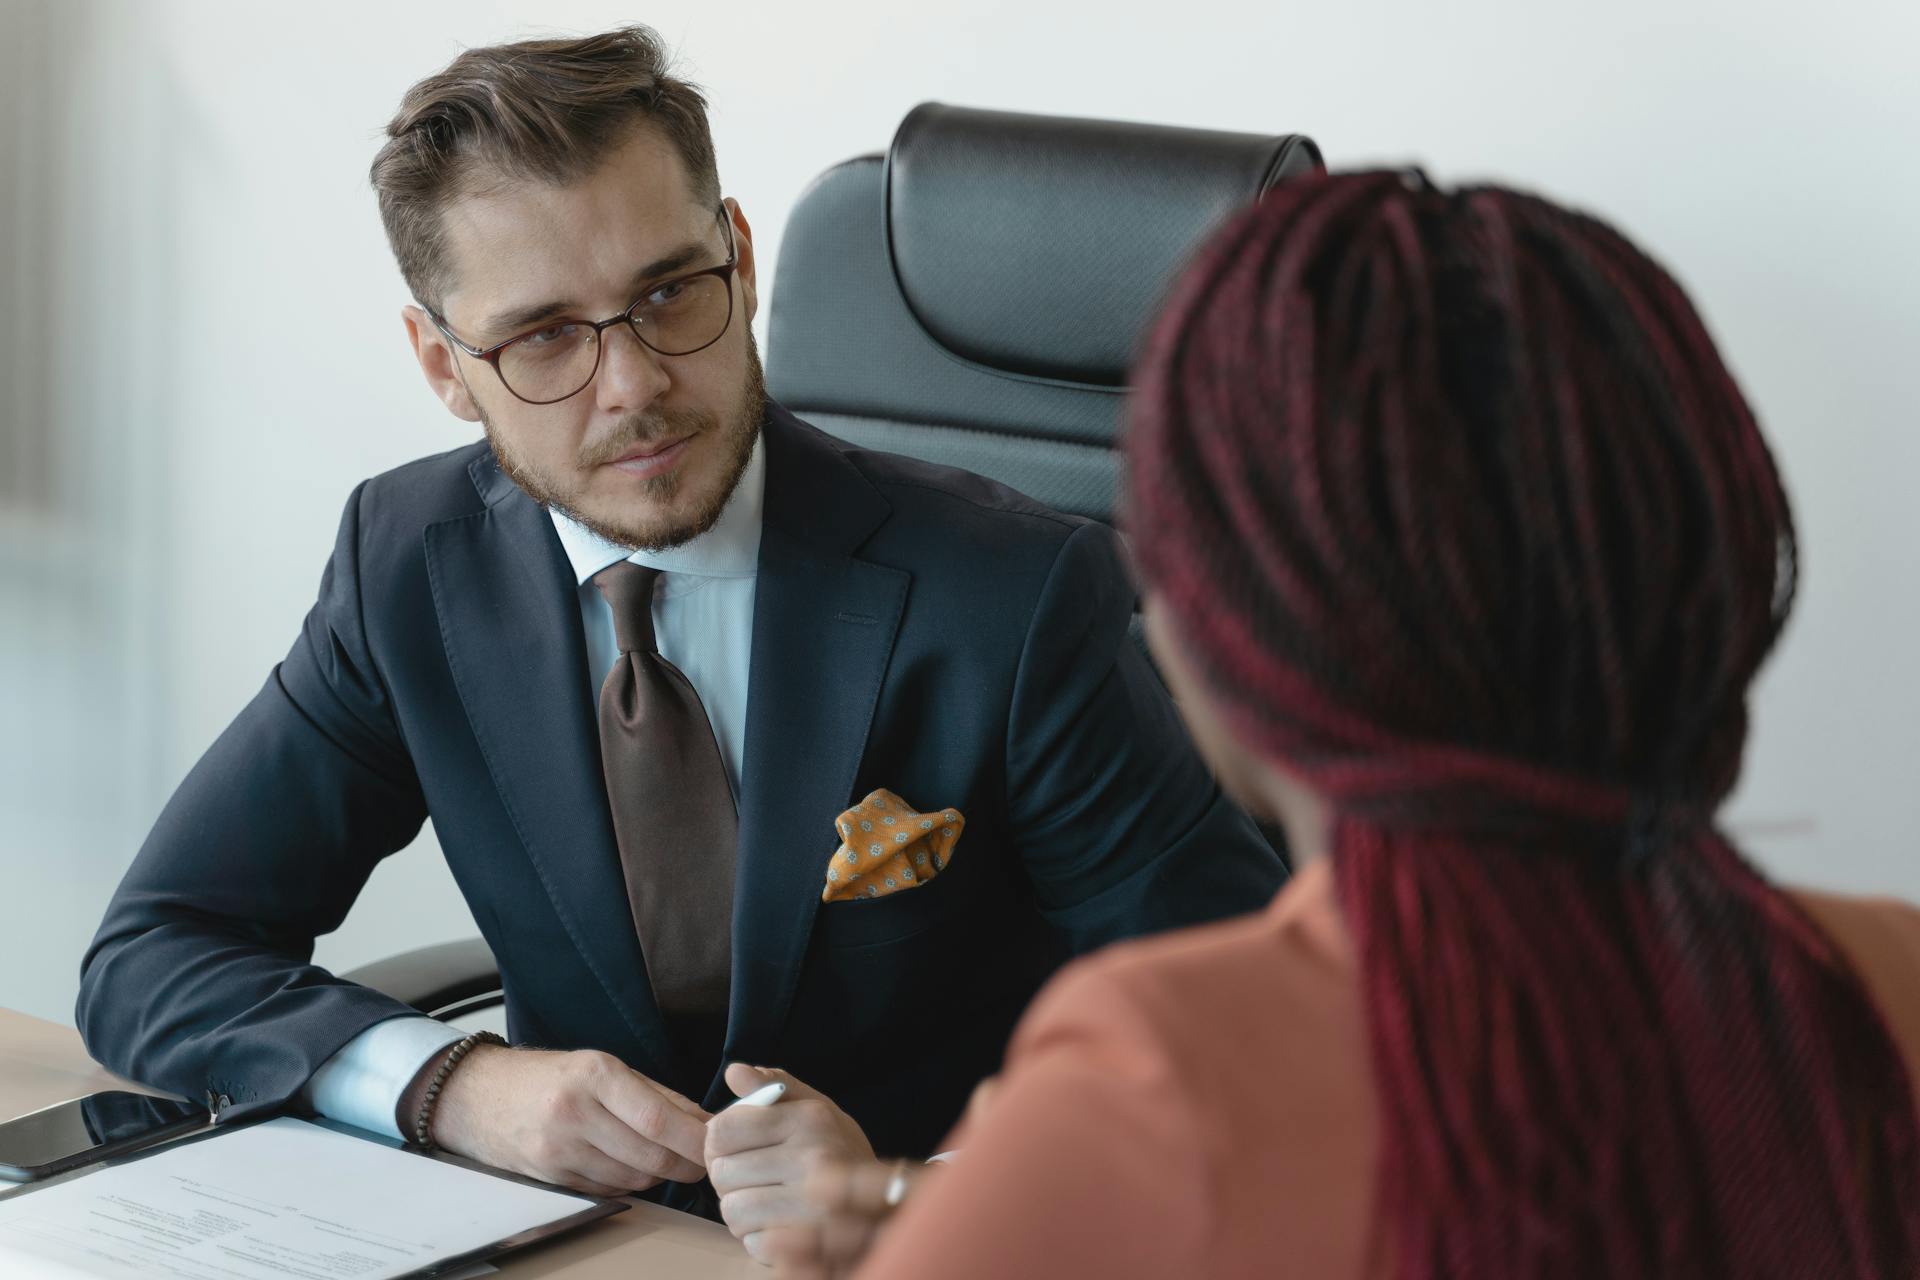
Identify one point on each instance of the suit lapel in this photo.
(510, 621)
(823, 630)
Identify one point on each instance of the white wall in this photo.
(230, 359)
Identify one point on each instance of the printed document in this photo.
(264, 1202)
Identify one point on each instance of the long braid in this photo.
(1455, 504)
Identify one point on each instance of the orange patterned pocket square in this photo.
(885, 847)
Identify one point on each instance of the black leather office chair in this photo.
(972, 297)
(448, 980)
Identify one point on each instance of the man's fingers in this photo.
(593, 1170)
(589, 1187)
(683, 1102)
(748, 1128)
(794, 1244)
(618, 1141)
(795, 1252)
(637, 1103)
(844, 1240)
(757, 1208)
(755, 1243)
(842, 1187)
(744, 1079)
(760, 1167)
(818, 1251)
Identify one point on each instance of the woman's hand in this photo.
(852, 1200)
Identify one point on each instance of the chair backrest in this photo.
(974, 297)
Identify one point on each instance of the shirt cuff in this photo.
(361, 1084)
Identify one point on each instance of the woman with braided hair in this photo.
(1461, 549)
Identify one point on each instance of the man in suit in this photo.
(635, 655)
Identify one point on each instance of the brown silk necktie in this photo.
(673, 818)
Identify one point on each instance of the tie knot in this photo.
(628, 590)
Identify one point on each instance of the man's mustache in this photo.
(647, 431)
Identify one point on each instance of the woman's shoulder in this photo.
(1256, 1021)
(1881, 937)
(1253, 1031)
(1296, 950)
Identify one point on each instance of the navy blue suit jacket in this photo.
(915, 627)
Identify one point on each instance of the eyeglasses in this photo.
(676, 317)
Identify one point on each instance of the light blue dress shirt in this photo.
(703, 624)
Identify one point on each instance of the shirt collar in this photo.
(731, 549)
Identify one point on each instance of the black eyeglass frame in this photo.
(724, 272)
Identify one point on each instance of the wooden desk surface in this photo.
(42, 1063)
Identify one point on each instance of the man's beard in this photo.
(656, 427)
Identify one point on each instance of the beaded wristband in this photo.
(423, 1122)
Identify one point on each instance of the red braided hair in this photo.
(1454, 505)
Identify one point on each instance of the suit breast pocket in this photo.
(897, 916)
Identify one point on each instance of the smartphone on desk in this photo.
(97, 1127)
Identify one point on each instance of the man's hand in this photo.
(759, 1157)
(583, 1120)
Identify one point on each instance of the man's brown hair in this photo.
(542, 110)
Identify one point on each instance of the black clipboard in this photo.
(595, 1208)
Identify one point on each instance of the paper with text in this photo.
(265, 1202)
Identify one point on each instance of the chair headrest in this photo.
(1040, 245)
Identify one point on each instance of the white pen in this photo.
(765, 1096)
